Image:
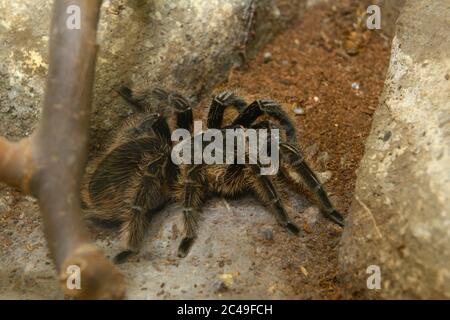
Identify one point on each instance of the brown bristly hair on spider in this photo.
(135, 177)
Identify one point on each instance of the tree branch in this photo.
(50, 163)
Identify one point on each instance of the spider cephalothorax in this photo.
(136, 176)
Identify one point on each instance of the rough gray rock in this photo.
(400, 218)
(187, 46)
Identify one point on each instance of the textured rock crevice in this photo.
(400, 218)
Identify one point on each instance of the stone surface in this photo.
(400, 217)
(231, 258)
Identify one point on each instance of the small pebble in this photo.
(284, 62)
(355, 86)
(316, 99)
(267, 233)
(267, 57)
(304, 271)
(311, 215)
(219, 286)
(325, 176)
(299, 110)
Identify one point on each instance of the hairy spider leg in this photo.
(269, 108)
(127, 94)
(267, 193)
(300, 173)
(193, 194)
(218, 106)
(181, 106)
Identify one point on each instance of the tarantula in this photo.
(136, 177)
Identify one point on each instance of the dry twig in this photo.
(50, 163)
